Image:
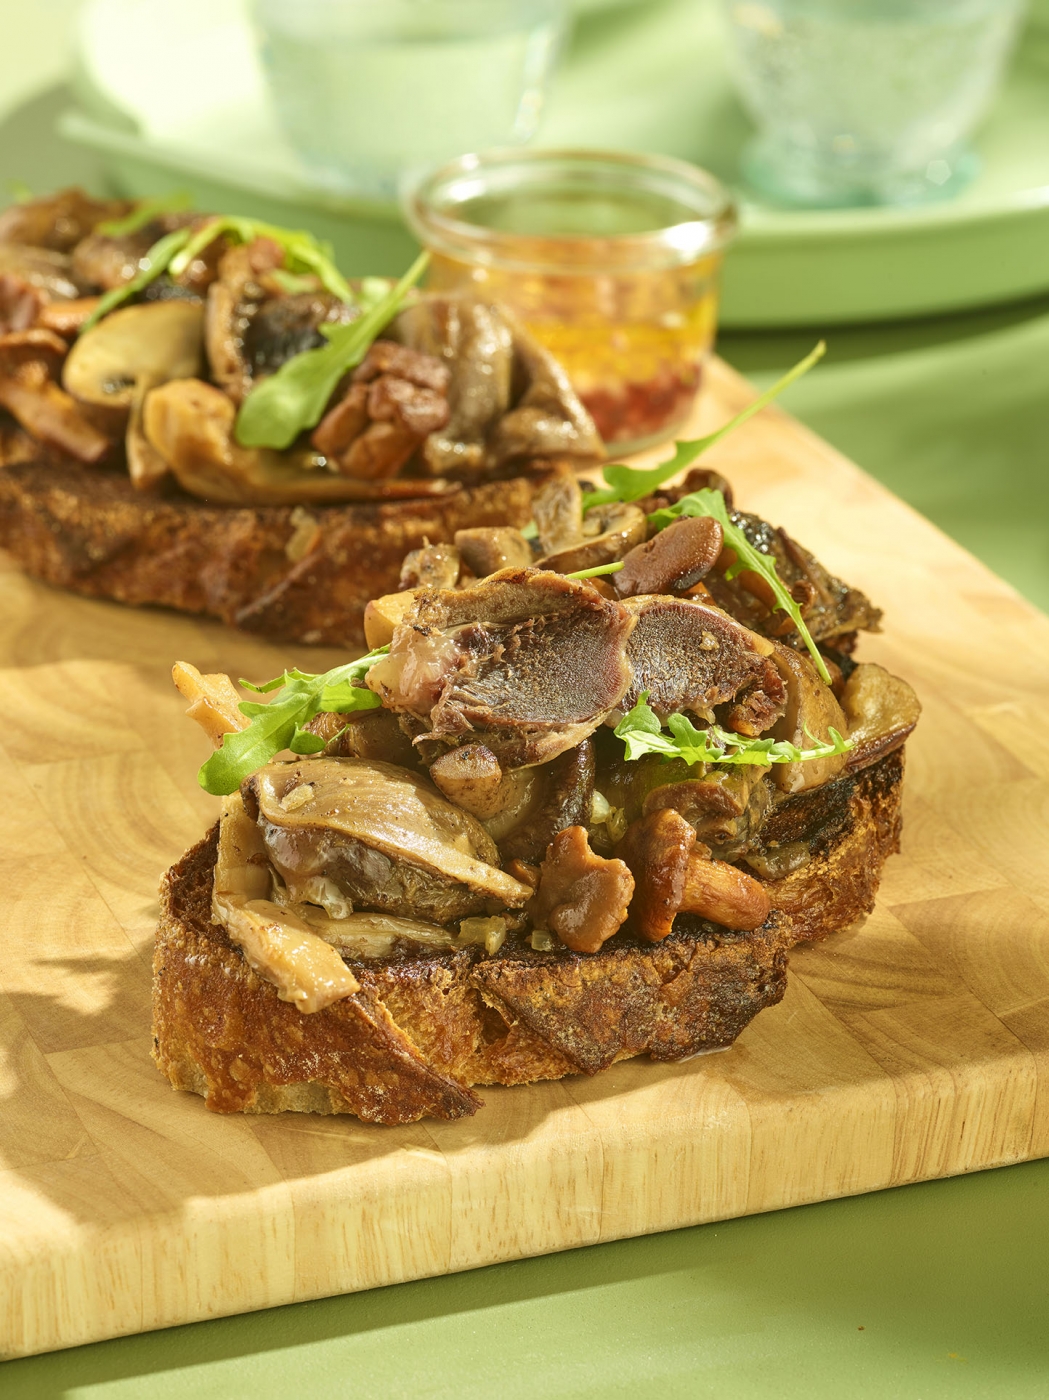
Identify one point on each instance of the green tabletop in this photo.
(937, 1290)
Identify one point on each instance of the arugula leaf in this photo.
(712, 503)
(280, 407)
(642, 733)
(147, 210)
(280, 724)
(302, 252)
(157, 260)
(597, 571)
(631, 483)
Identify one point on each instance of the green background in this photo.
(937, 1290)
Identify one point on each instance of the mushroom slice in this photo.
(58, 221)
(486, 549)
(280, 947)
(691, 657)
(385, 836)
(29, 363)
(582, 897)
(811, 711)
(673, 560)
(113, 366)
(674, 874)
(431, 566)
(557, 510)
(609, 533)
(882, 710)
(190, 424)
(528, 663)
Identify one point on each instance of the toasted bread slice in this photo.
(423, 1030)
(291, 573)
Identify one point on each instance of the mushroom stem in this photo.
(719, 892)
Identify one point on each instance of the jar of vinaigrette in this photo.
(610, 259)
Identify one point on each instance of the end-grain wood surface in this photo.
(913, 1045)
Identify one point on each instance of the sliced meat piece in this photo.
(691, 657)
(528, 663)
(387, 357)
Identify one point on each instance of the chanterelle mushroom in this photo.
(674, 874)
(114, 365)
(385, 837)
(582, 897)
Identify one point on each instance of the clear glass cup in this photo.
(369, 89)
(610, 259)
(866, 101)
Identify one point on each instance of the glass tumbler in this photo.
(369, 89)
(610, 259)
(866, 101)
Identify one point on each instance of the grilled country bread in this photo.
(300, 574)
(424, 1029)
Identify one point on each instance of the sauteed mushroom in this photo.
(811, 711)
(190, 424)
(673, 560)
(384, 836)
(674, 874)
(29, 364)
(609, 532)
(113, 366)
(582, 897)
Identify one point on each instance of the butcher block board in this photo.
(913, 1045)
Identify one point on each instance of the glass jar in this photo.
(610, 259)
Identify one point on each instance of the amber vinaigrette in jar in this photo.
(610, 259)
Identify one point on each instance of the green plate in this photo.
(649, 77)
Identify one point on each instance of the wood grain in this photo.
(911, 1046)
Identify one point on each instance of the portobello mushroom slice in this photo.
(527, 662)
(384, 837)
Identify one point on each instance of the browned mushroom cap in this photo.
(582, 897)
(488, 548)
(113, 366)
(724, 808)
(609, 533)
(29, 364)
(432, 566)
(882, 710)
(472, 778)
(557, 510)
(673, 560)
(364, 734)
(691, 657)
(58, 221)
(673, 874)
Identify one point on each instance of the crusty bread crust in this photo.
(857, 819)
(424, 1029)
(89, 530)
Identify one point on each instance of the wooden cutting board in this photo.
(913, 1045)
